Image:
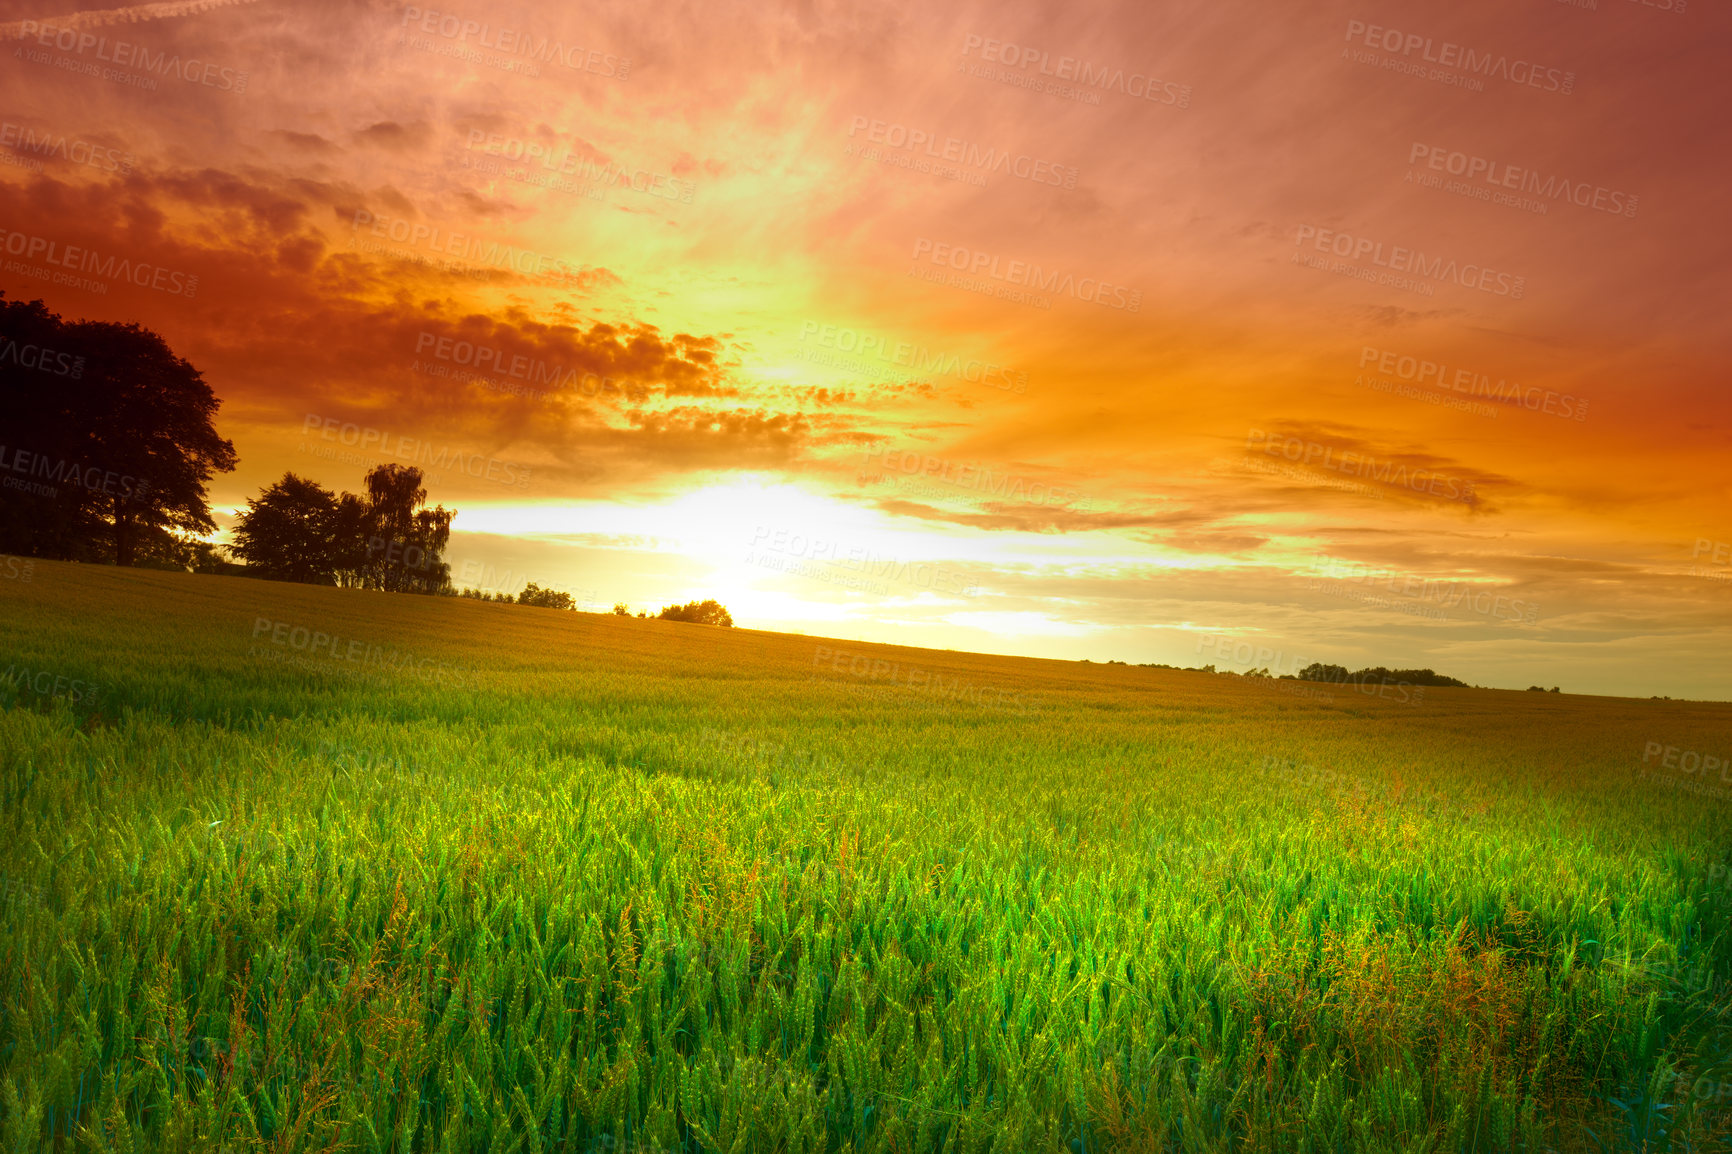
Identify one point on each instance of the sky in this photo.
(1372, 333)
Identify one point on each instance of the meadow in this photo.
(291, 868)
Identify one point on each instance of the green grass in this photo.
(570, 882)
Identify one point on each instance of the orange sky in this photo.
(1160, 335)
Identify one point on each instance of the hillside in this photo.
(303, 866)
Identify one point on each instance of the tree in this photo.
(482, 595)
(700, 612)
(1338, 674)
(534, 594)
(43, 430)
(351, 531)
(110, 440)
(154, 425)
(406, 542)
(289, 532)
(297, 530)
(620, 609)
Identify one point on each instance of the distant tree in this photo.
(533, 594)
(482, 595)
(1409, 676)
(289, 532)
(407, 540)
(708, 612)
(297, 530)
(620, 609)
(1338, 674)
(116, 438)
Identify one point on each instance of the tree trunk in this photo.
(122, 534)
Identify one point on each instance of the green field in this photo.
(486, 877)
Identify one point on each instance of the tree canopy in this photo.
(1338, 674)
(109, 442)
(298, 530)
(708, 612)
(534, 594)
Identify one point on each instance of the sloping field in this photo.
(306, 869)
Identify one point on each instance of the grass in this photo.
(487, 877)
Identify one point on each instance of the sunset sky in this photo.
(1373, 333)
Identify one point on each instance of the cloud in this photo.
(133, 14)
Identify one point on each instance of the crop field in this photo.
(297, 868)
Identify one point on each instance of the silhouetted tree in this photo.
(353, 529)
(1338, 674)
(482, 595)
(289, 532)
(701, 612)
(109, 442)
(297, 530)
(407, 541)
(534, 594)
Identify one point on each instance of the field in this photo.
(467, 876)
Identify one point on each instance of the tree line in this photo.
(110, 444)
(386, 538)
